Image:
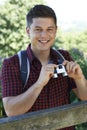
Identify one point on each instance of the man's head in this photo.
(41, 28)
(40, 11)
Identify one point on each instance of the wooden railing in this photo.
(49, 119)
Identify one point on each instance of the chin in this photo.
(44, 48)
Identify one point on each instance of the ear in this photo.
(56, 28)
(28, 31)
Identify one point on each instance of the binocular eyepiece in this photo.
(60, 70)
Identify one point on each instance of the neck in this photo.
(43, 56)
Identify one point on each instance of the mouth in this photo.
(44, 41)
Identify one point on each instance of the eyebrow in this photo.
(41, 27)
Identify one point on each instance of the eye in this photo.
(50, 30)
(38, 30)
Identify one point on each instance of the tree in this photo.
(13, 25)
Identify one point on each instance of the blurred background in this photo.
(71, 34)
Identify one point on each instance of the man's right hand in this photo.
(47, 71)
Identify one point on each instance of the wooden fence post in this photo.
(49, 119)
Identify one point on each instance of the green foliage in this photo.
(13, 38)
(80, 58)
(69, 40)
(13, 25)
(82, 126)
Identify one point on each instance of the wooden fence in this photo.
(49, 119)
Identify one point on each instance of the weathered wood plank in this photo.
(49, 119)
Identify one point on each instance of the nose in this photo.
(44, 33)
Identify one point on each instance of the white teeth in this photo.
(43, 41)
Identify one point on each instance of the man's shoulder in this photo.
(63, 51)
(11, 60)
(66, 54)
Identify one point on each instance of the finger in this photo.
(49, 69)
(52, 65)
(72, 66)
(65, 62)
(69, 65)
(75, 67)
(51, 75)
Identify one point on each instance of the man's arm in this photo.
(16, 105)
(74, 71)
(81, 90)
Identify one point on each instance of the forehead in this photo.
(43, 22)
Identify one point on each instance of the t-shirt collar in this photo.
(53, 55)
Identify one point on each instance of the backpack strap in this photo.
(24, 66)
(61, 61)
(61, 57)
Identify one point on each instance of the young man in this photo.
(42, 90)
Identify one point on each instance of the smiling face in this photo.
(42, 34)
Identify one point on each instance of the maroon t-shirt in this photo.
(55, 93)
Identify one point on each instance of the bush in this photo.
(80, 58)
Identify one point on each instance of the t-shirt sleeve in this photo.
(10, 79)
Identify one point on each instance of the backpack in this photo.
(25, 64)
